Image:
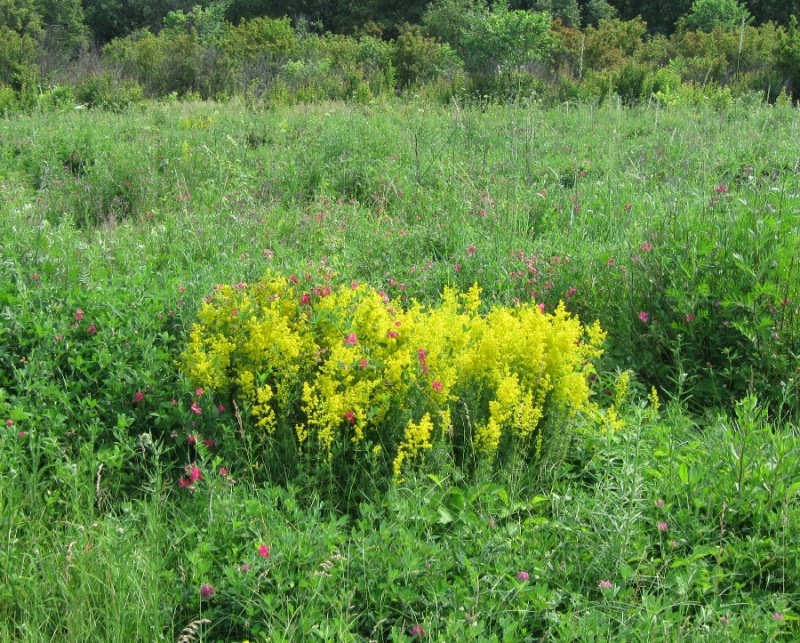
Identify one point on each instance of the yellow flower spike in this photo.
(472, 299)
(416, 440)
(655, 403)
(487, 437)
(621, 388)
(262, 410)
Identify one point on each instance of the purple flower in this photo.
(523, 576)
(645, 317)
(207, 590)
(417, 631)
(663, 526)
(605, 584)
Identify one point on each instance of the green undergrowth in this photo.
(658, 531)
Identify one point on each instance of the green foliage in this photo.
(612, 42)
(21, 16)
(169, 62)
(8, 100)
(206, 25)
(779, 12)
(65, 33)
(253, 53)
(252, 39)
(450, 21)
(105, 91)
(418, 59)
(739, 59)
(706, 15)
(654, 523)
(110, 19)
(506, 40)
(787, 56)
(17, 56)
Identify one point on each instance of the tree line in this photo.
(315, 49)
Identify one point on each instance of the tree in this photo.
(503, 40)
(706, 15)
(64, 31)
(21, 17)
(20, 26)
(450, 21)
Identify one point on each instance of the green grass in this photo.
(133, 217)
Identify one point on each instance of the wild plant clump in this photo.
(348, 376)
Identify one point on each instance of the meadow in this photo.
(144, 497)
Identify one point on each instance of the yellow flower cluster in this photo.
(347, 366)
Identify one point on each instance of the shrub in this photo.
(419, 59)
(8, 100)
(449, 21)
(160, 64)
(255, 50)
(612, 42)
(724, 56)
(104, 91)
(375, 58)
(336, 382)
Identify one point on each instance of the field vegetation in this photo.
(400, 370)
